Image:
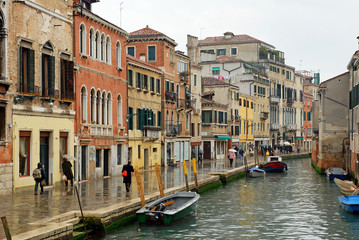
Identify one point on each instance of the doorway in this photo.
(83, 162)
(105, 162)
(206, 150)
(146, 159)
(44, 154)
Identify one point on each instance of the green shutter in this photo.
(30, 71)
(51, 75)
(138, 116)
(130, 118)
(159, 118)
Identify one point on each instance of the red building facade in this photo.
(307, 123)
(101, 94)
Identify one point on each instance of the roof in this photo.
(243, 38)
(149, 33)
(321, 84)
(210, 81)
(143, 64)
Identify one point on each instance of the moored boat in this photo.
(346, 187)
(275, 164)
(350, 203)
(335, 172)
(169, 208)
(255, 172)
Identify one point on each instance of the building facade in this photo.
(41, 71)
(101, 94)
(196, 96)
(144, 113)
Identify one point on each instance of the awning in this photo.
(298, 137)
(224, 136)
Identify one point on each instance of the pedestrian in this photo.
(241, 153)
(200, 155)
(39, 176)
(127, 176)
(231, 157)
(67, 169)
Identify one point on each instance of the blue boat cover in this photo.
(256, 169)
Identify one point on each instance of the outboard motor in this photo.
(160, 207)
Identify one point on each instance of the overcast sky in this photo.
(318, 35)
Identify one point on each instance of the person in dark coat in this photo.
(38, 180)
(127, 180)
(67, 169)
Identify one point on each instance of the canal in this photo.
(298, 204)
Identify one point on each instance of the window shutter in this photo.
(21, 68)
(138, 118)
(69, 80)
(51, 75)
(30, 71)
(130, 118)
(159, 119)
(43, 80)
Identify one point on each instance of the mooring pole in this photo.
(140, 188)
(159, 179)
(195, 174)
(6, 228)
(185, 175)
(82, 214)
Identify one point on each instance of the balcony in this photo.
(290, 101)
(236, 118)
(173, 129)
(292, 127)
(184, 77)
(97, 129)
(151, 133)
(171, 96)
(274, 99)
(274, 126)
(264, 115)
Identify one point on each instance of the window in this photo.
(221, 52)
(92, 42)
(139, 151)
(119, 154)
(97, 45)
(206, 116)
(233, 51)
(118, 55)
(108, 51)
(215, 70)
(159, 119)
(24, 154)
(195, 80)
(182, 66)
(252, 105)
(167, 86)
(158, 89)
(152, 84)
(138, 80)
(48, 75)
(240, 102)
(84, 105)
(98, 160)
(151, 53)
(27, 70)
(130, 77)
(102, 47)
(131, 51)
(119, 110)
(67, 80)
(145, 82)
(130, 118)
(2, 122)
(82, 39)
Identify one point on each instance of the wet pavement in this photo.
(23, 207)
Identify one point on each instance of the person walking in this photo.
(200, 155)
(39, 176)
(127, 176)
(231, 157)
(67, 169)
(241, 153)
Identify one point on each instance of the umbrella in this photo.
(69, 157)
(232, 150)
(286, 143)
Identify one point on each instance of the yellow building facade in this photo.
(246, 113)
(144, 113)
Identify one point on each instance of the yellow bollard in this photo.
(195, 174)
(185, 175)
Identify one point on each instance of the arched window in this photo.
(108, 50)
(104, 109)
(82, 39)
(118, 54)
(103, 45)
(97, 45)
(119, 110)
(99, 108)
(93, 106)
(83, 105)
(92, 42)
(109, 108)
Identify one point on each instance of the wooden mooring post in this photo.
(6, 228)
(140, 187)
(159, 179)
(195, 174)
(185, 175)
(82, 214)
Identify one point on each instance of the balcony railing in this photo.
(173, 129)
(274, 99)
(97, 129)
(274, 126)
(236, 118)
(171, 96)
(290, 101)
(264, 115)
(292, 127)
(151, 133)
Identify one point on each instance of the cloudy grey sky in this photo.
(318, 35)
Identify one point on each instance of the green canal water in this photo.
(298, 204)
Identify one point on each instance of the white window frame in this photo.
(82, 38)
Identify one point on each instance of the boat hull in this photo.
(146, 214)
(350, 203)
(334, 172)
(256, 172)
(275, 166)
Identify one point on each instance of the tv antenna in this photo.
(121, 14)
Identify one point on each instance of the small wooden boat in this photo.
(168, 209)
(346, 187)
(255, 172)
(350, 203)
(274, 164)
(334, 172)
